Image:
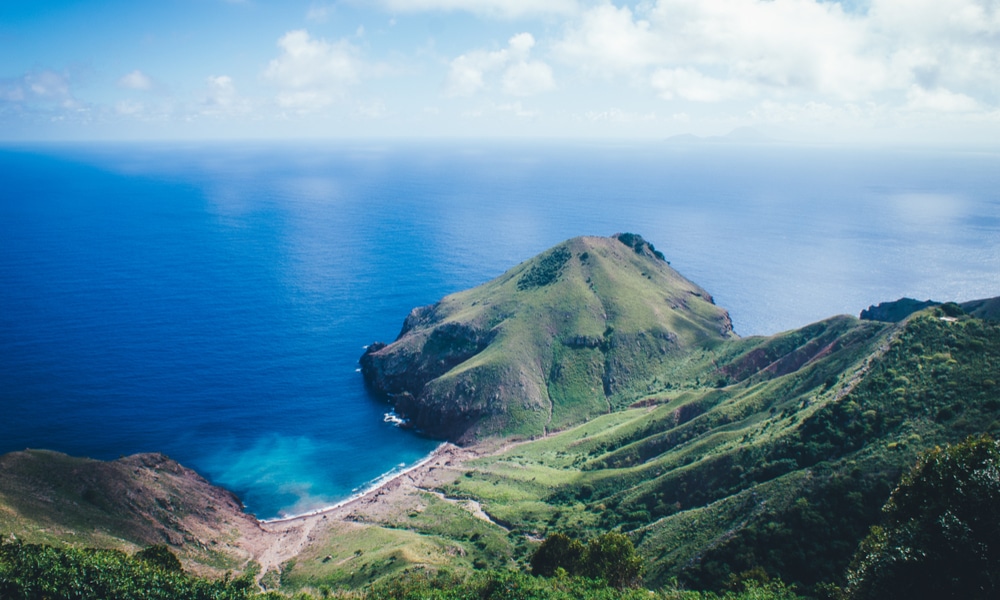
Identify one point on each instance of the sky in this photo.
(870, 71)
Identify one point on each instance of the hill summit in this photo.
(565, 336)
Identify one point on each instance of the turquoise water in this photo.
(211, 302)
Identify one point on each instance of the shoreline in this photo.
(376, 484)
(273, 542)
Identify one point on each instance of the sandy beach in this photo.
(274, 541)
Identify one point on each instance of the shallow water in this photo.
(211, 302)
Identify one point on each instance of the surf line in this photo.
(377, 483)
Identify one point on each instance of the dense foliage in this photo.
(941, 533)
(546, 271)
(637, 243)
(512, 585)
(609, 557)
(39, 572)
(933, 385)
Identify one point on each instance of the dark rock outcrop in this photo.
(895, 311)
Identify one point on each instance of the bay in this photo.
(211, 301)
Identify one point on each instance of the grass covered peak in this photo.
(556, 340)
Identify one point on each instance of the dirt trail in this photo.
(473, 507)
(284, 541)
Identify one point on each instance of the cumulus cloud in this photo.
(941, 55)
(691, 84)
(39, 88)
(313, 73)
(136, 80)
(779, 44)
(527, 78)
(939, 100)
(519, 75)
(611, 39)
(495, 8)
(222, 99)
(945, 47)
(320, 13)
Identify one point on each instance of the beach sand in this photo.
(271, 543)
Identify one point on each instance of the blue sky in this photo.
(872, 71)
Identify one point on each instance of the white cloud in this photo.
(930, 55)
(610, 39)
(690, 84)
(951, 45)
(48, 85)
(313, 73)
(320, 13)
(939, 100)
(779, 44)
(306, 62)
(129, 108)
(617, 115)
(527, 78)
(519, 76)
(515, 109)
(136, 80)
(495, 8)
(39, 88)
(222, 99)
(372, 110)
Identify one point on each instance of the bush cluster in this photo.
(610, 557)
(546, 270)
(40, 572)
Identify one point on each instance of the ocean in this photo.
(210, 301)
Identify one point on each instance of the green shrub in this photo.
(160, 556)
(546, 270)
(941, 533)
(610, 557)
(558, 551)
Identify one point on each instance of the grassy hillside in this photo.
(568, 335)
(127, 504)
(781, 462)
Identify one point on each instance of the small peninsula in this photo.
(568, 335)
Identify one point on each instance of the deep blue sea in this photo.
(211, 301)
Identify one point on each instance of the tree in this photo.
(557, 551)
(941, 532)
(612, 557)
(160, 556)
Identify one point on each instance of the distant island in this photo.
(603, 429)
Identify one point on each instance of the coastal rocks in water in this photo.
(551, 343)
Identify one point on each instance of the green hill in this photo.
(780, 460)
(573, 333)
